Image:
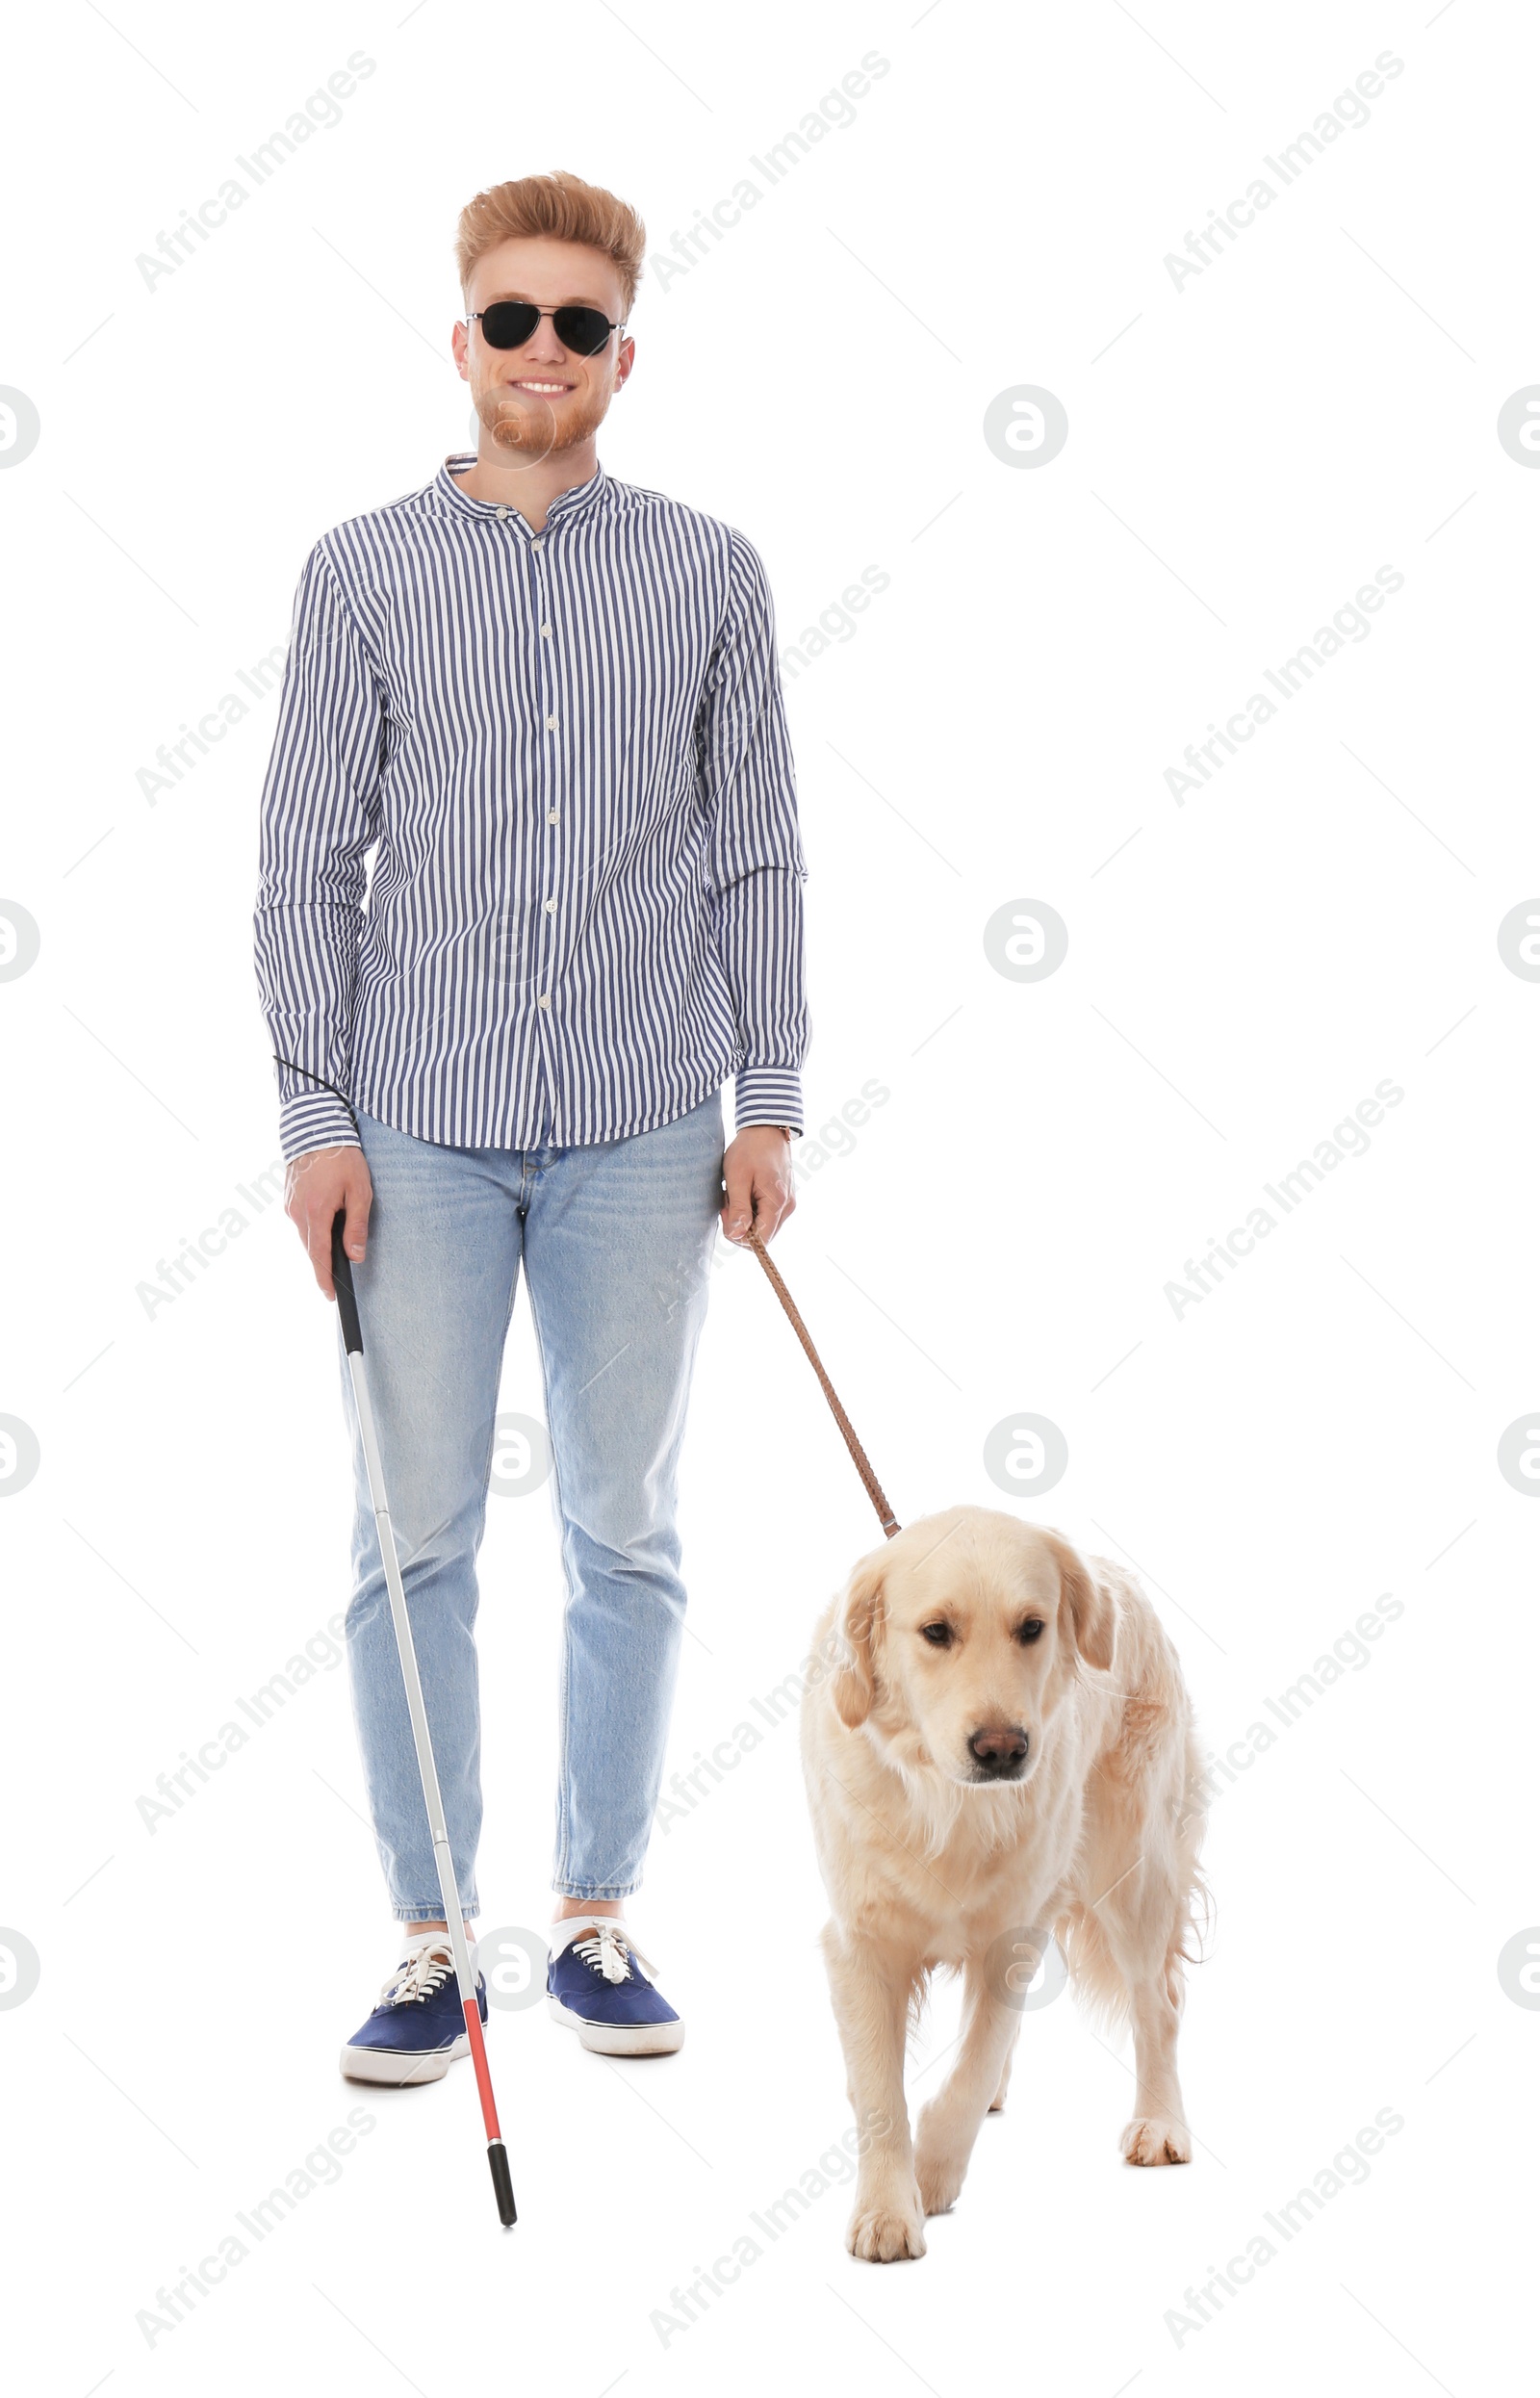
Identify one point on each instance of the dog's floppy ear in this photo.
(1086, 1602)
(855, 1619)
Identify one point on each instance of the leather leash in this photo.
(874, 1488)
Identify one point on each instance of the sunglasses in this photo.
(508, 324)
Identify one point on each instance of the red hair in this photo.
(562, 208)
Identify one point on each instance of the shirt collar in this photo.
(566, 503)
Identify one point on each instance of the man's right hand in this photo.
(315, 1186)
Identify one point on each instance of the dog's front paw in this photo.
(891, 2227)
(1157, 2140)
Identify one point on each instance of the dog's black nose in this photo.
(1000, 1749)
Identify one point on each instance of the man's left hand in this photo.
(757, 1169)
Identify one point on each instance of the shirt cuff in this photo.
(769, 1095)
(315, 1121)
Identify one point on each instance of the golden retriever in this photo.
(1003, 1747)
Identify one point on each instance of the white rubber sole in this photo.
(619, 2039)
(402, 2068)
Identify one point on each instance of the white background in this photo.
(1244, 454)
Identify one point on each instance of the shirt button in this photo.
(545, 998)
(545, 633)
(536, 543)
(551, 723)
(551, 907)
(552, 816)
(503, 511)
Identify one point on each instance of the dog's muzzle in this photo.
(999, 1751)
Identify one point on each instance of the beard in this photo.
(528, 429)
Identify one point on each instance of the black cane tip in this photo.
(502, 2184)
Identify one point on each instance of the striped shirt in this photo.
(568, 754)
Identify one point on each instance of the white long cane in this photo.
(354, 1341)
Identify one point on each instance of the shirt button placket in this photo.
(546, 854)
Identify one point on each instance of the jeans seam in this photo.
(472, 1906)
(563, 1817)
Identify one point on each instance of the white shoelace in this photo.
(422, 1971)
(610, 1951)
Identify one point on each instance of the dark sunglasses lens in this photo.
(585, 330)
(508, 324)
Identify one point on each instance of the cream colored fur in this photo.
(1098, 1840)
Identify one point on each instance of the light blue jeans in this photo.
(615, 1239)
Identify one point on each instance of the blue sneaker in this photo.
(418, 2028)
(596, 1984)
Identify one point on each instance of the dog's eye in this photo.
(940, 1636)
(1029, 1631)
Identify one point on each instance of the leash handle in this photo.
(874, 1488)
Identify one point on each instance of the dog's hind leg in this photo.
(949, 2123)
(997, 2102)
(1157, 2133)
(1142, 1923)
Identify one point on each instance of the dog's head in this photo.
(961, 1635)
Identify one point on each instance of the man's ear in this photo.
(855, 1620)
(1086, 1603)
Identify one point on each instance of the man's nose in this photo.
(999, 1747)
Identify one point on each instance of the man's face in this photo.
(542, 398)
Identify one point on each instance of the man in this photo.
(548, 703)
